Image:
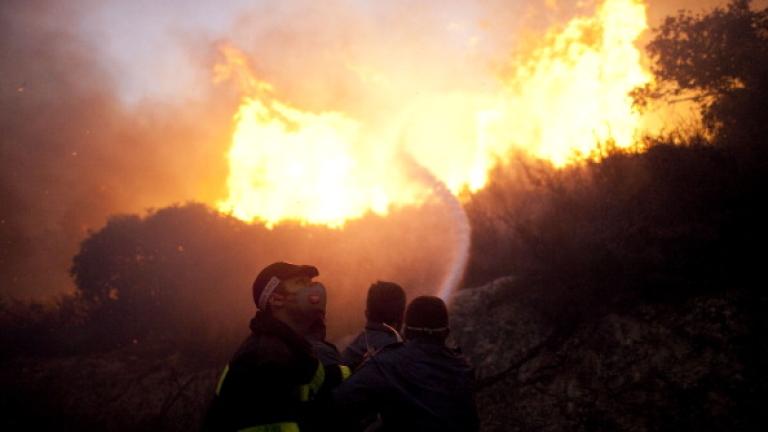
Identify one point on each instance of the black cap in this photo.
(426, 314)
(280, 271)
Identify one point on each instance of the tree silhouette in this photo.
(720, 60)
(164, 271)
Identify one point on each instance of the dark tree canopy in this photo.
(187, 270)
(720, 60)
(146, 273)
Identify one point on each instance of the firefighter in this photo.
(274, 382)
(419, 385)
(384, 308)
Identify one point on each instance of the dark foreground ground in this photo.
(692, 365)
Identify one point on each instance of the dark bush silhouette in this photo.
(36, 328)
(183, 273)
(162, 275)
(673, 221)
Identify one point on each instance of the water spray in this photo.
(455, 272)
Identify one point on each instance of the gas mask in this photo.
(310, 298)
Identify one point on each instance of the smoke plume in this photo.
(109, 107)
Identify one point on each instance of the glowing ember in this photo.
(559, 100)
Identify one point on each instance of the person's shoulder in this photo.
(382, 336)
(393, 349)
(356, 347)
(378, 327)
(263, 348)
(359, 339)
(388, 354)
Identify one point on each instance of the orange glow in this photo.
(571, 91)
(287, 164)
(558, 100)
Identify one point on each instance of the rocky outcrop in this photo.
(688, 365)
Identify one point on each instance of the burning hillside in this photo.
(397, 107)
(555, 101)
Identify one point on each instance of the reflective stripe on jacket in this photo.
(274, 427)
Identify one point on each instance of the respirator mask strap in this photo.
(426, 330)
(397, 333)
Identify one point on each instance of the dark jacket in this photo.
(417, 386)
(374, 337)
(273, 379)
(325, 351)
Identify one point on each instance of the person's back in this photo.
(427, 388)
(385, 305)
(420, 385)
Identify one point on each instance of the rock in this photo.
(691, 365)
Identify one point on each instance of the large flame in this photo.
(572, 91)
(559, 99)
(287, 164)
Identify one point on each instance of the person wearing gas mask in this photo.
(275, 382)
(384, 308)
(420, 385)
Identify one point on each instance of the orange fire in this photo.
(557, 102)
(572, 91)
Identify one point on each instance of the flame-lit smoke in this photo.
(72, 154)
(371, 81)
(290, 165)
(563, 96)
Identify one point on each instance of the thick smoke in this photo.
(108, 107)
(73, 154)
